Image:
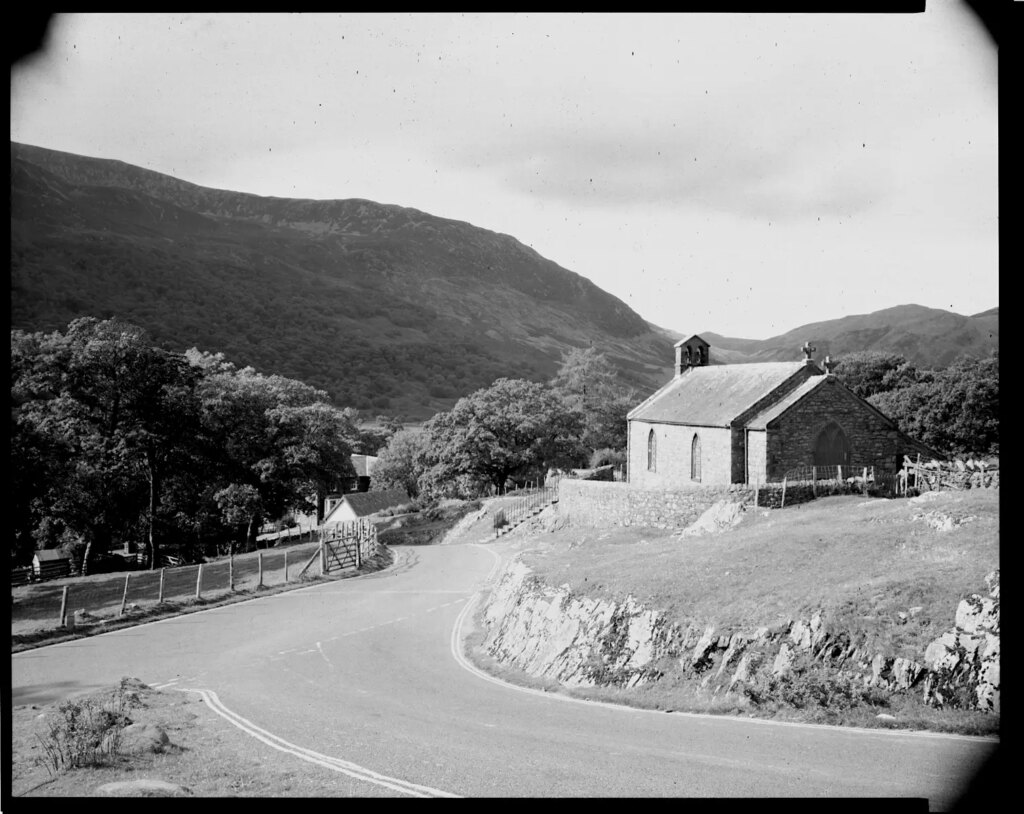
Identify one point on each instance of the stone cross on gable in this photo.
(829, 365)
(808, 349)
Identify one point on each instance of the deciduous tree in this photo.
(512, 429)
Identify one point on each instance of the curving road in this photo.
(366, 677)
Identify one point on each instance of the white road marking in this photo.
(326, 761)
(318, 647)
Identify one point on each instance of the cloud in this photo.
(739, 172)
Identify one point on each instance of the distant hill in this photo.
(389, 309)
(928, 337)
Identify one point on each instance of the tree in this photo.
(869, 372)
(115, 408)
(512, 429)
(588, 384)
(240, 505)
(400, 463)
(274, 434)
(315, 442)
(955, 411)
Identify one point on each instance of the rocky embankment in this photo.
(579, 641)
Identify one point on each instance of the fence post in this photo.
(259, 561)
(865, 481)
(323, 557)
(160, 596)
(64, 605)
(783, 506)
(124, 595)
(231, 569)
(199, 582)
(756, 492)
(286, 565)
(814, 481)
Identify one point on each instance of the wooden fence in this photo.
(110, 596)
(934, 475)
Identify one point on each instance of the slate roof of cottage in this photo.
(714, 395)
(363, 465)
(51, 555)
(366, 503)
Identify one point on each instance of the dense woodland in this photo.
(955, 410)
(117, 441)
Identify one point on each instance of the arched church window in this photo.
(832, 447)
(695, 458)
(652, 452)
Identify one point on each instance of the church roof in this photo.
(714, 395)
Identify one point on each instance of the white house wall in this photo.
(673, 455)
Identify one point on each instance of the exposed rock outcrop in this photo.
(582, 641)
(964, 661)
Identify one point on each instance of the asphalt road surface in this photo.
(366, 677)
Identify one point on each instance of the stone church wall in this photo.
(873, 440)
(673, 455)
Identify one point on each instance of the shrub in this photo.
(85, 732)
(815, 688)
(603, 457)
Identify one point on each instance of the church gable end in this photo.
(831, 425)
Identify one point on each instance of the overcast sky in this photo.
(743, 174)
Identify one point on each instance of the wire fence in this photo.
(803, 483)
(92, 600)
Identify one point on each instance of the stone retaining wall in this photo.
(592, 503)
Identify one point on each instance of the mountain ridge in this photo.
(928, 337)
(387, 308)
(411, 310)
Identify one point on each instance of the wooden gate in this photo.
(347, 545)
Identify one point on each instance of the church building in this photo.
(752, 423)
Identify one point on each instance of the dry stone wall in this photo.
(590, 503)
(582, 641)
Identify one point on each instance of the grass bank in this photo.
(889, 572)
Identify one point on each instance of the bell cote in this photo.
(692, 352)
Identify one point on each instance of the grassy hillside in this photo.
(881, 573)
(860, 560)
(389, 309)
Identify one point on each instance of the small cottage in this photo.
(751, 423)
(51, 563)
(363, 466)
(356, 505)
